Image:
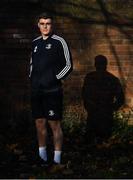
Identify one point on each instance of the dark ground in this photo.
(111, 160)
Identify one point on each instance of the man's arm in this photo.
(31, 63)
(119, 97)
(30, 68)
(87, 95)
(65, 59)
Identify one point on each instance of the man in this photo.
(50, 63)
(102, 95)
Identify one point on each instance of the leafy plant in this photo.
(74, 120)
(122, 131)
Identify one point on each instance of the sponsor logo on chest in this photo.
(35, 49)
(48, 46)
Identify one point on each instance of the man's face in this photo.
(45, 26)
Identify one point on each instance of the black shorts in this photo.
(47, 105)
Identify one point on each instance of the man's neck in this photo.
(45, 37)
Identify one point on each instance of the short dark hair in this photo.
(45, 15)
(100, 60)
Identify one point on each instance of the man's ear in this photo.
(38, 25)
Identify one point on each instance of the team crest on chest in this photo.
(48, 46)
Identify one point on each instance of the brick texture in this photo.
(91, 28)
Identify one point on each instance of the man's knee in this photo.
(56, 126)
(40, 124)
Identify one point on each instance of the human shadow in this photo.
(102, 94)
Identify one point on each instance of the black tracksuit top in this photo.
(50, 62)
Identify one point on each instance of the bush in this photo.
(74, 120)
(74, 123)
(122, 131)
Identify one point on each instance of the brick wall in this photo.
(91, 28)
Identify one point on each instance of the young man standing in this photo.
(50, 63)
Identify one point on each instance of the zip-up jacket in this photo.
(50, 62)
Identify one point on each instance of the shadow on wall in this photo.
(102, 95)
(98, 12)
(19, 29)
(107, 15)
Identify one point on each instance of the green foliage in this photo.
(122, 130)
(74, 120)
(74, 123)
